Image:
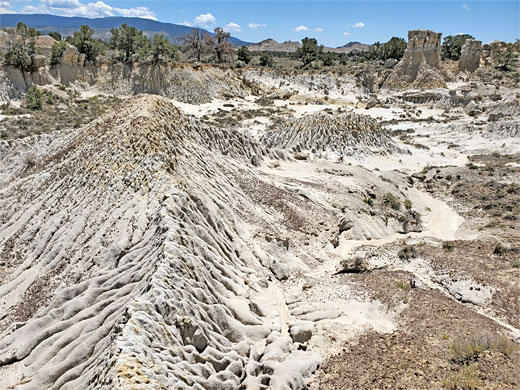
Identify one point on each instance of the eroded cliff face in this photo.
(186, 83)
(421, 63)
(470, 56)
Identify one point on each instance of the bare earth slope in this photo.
(320, 243)
(120, 258)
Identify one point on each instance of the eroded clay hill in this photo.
(122, 260)
(336, 135)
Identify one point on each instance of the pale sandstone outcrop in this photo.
(421, 63)
(70, 56)
(490, 51)
(44, 42)
(39, 60)
(470, 55)
(43, 45)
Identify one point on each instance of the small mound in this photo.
(507, 109)
(421, 76)
(503, 120)
(347, 134)
(505, 128)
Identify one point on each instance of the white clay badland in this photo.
(149, 250)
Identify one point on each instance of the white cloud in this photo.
(358, 25)
(136, 12)
(91, 10)
(346, 33)
(466, 7)
(317, 29)
(205, 20)
(4, 7)
(62, 3)
(256, 25)
(232, 27)
(300, 29)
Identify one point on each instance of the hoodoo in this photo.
(470, 55)
(421, 63)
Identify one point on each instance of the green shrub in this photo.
(49, 99)
(328, 59)
(309, 51)
(57, 50)
(394, 48)
(452, 45)
(20, 50)
(405, 286)
(467, 378)
(86, 44)
(20, 56)
(407, 252)
(266, 60)
(465, 351)
(505, 60)
(160, 49)
(55, 35)
(369, 201)
(34, 98)
(448, 246)
(244, 54)
(391, 201)
(499, 250)
(126, 39)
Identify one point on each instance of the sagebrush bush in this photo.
(34, 98)
(407, 252)
(465, 351)
(499, 250)
(448, 246)
(467, 378)
(57, 50)
(391, 201)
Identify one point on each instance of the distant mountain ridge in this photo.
(349, 47)
(271, 45)
(291, 46)
(67, 25)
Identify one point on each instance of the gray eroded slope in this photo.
(120, 243)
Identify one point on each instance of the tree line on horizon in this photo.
(132, 45)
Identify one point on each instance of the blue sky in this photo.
(333, 23)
